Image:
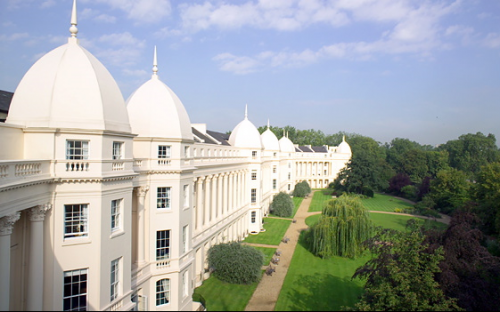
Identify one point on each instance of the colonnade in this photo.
(35, 259)
(313, 168)
(218, 195)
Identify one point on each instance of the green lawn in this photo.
(318, 201)
(296, 202)
(221, 296)
(275, 230)
(315, 284)
(382, 202)
(268, 253)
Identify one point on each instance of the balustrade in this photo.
(77, 166)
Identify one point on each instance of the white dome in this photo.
(286, 145)
(69, 88)
(156, 111)
(344, 148)
(270, 141)
(245, 135)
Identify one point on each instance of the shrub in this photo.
(301, 189)
(409, 192)
(282, 205)
(235, 263)
(368, 192)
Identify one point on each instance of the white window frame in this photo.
(186, 151)
(77, 149)
(254, 175)
(254, 154)
(164, 151)
(116, 212)
(274, 169)
(253, 196)
(275, 184)
(185, 239)
(186, 196)
(80, 283)
(253, 216)
(163, 244)
(117, 150)
(77, 220)
(163, 200)
(115, 279)
(185, 283)
(162, 294)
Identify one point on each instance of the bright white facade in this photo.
(113, 205)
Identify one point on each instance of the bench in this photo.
(278, 253)
(270, 270)
(285, 240)
(275, 260)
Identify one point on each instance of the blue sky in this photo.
(428, 71)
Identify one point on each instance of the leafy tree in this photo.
(468, 271)
(487, 194)
(301, 189)
(401, 276)
(409, 192)
(344, 225)
(235, 263)
(450, 190)
(397, 182)
(396, 150)
(282, 205)
(424, 188)
(471, 151)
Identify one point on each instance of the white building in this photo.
(108, 205)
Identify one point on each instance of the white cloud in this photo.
(143, 11)
(237, 65)
(96, 15)
(492, 40)
(12, 37)
(47, 4)
(122, 39)
(120, 49)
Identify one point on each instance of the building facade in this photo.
(107, 204)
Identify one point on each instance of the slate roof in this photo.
(5, 99)
(219, 136)
(212, 137)
(306, 149)
(320, 149)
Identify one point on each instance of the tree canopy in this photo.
(282, 205)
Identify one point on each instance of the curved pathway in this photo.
(266, 295)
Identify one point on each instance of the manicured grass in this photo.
(296, 203)
(318, 201)
(381, 202)
(222, 296)
(268, 253)
(275, 230)
(316, 284)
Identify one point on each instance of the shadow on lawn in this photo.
(323, 292)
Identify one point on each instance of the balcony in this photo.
(13, 173)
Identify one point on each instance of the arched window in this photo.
(162, 292)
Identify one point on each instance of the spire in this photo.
(343, 138)
(246, 111)
(155, 65)
(268, 125)
(73, 29)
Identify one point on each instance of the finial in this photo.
(155, 65)
(268, 125)
(283, 132)
(343, 138)
(246, 111)
(73, 29)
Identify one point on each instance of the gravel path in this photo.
(266, 295)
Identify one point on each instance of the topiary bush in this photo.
(235, 263)
(301, 189)
(282, 205)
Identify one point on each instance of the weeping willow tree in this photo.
(343, 226)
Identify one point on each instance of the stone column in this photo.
(226, 195)
(6, 226)
(208, 193)
(230, 192)
(214, 197)
(199, 203)
(141, 224)
(35, 262)
(220, 201)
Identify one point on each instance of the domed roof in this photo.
(156, 111)
(344, 148)
(69, 88)
(286, 145)
(269, 140)
(245, 135)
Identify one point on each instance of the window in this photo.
(289, 165)
(185, 239)
(162, 245)
(115, 279)
(163, 151)
(254, 216)
(185, 283)
(77, 149)
(75, 290)
(186, 196)
(163, 198)
(289, 176)
(254, 154)
(274, 169)
(162, 292)
(288, 186)
(274, 154)
(186, 151)
(75, 220)
(325, 172)
(254, 175)
(117, 150)
(274, 184)
(115, 214)
(253, 196)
